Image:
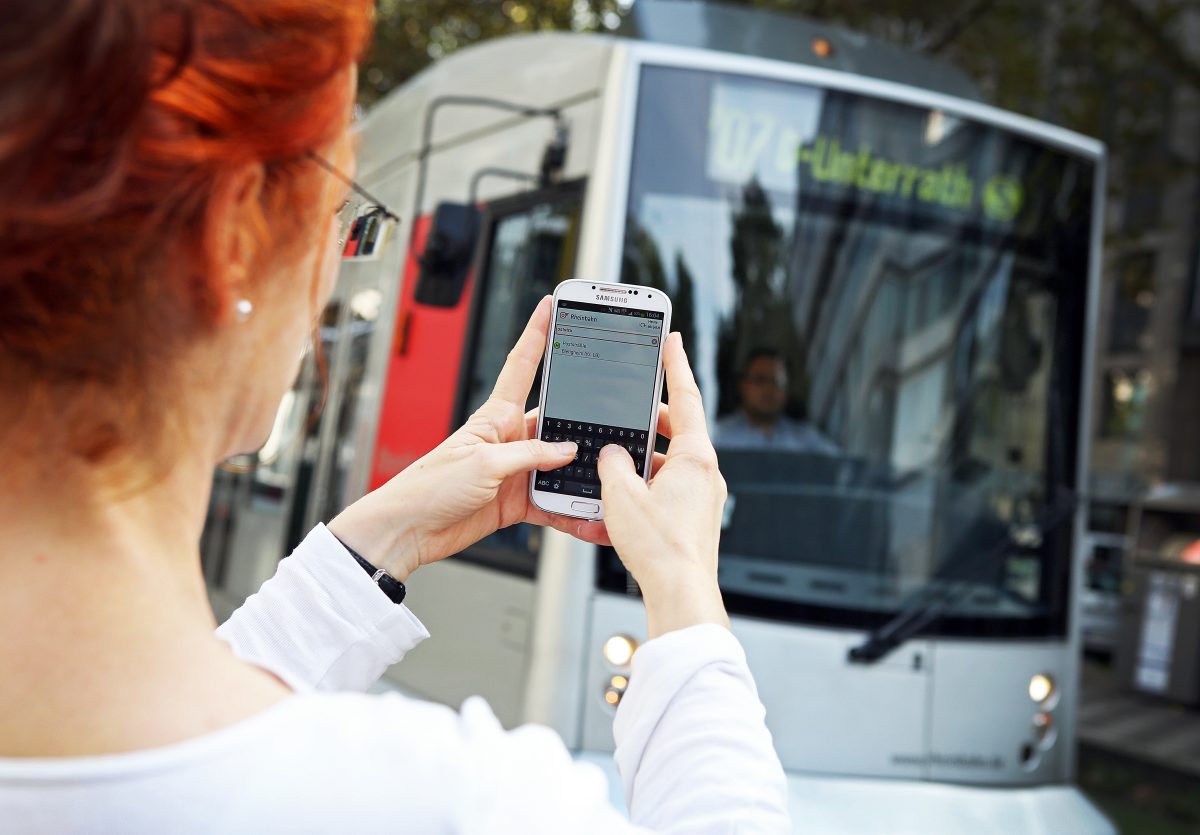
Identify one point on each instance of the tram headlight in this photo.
(1041, 688)
(619, 649)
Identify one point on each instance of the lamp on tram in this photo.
(619, 649)
(822, 48)
(1041, 688)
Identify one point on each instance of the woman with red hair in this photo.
(170, 178)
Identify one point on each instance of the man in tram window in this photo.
(759, 421)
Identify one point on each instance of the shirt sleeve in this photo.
(693, 750)
(320, 623)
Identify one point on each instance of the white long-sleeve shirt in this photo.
(692, 749)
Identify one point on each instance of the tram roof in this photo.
(556, 68)
(782, 36)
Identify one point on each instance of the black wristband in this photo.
(388, 584)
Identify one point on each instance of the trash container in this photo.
(1158, 651)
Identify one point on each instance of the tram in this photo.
(860, 252)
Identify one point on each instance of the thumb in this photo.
(617, 474)
(522, 456)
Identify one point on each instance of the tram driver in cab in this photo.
(760, 421)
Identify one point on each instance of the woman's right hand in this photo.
(666, 533)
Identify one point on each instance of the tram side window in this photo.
(531, 249)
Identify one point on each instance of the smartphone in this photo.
(601, 385)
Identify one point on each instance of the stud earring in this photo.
(244, 308)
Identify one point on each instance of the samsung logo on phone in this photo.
(617, 299)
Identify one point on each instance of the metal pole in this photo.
(461, 101)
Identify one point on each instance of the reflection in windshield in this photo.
(885, 310)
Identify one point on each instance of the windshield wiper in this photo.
(931, 601)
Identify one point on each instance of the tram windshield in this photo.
(885, 305)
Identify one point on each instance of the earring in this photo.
(244, 308)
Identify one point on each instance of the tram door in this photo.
(479, 605)
(264, 504)
(350, 388)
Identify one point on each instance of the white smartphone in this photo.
(601, 385)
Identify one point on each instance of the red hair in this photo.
(117, 120)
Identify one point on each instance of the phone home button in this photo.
(585, 507)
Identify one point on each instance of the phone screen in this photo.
(602, 377)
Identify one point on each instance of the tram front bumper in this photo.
(864, 806)
(898, 807)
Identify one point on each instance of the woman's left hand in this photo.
(472, 484)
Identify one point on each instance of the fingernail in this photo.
(610, 450)
(565, 447)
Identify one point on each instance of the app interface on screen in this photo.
(603, 363)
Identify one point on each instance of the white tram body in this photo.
(926, 265)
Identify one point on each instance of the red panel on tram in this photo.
(417, 404)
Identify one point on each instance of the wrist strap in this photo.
(388, 584)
